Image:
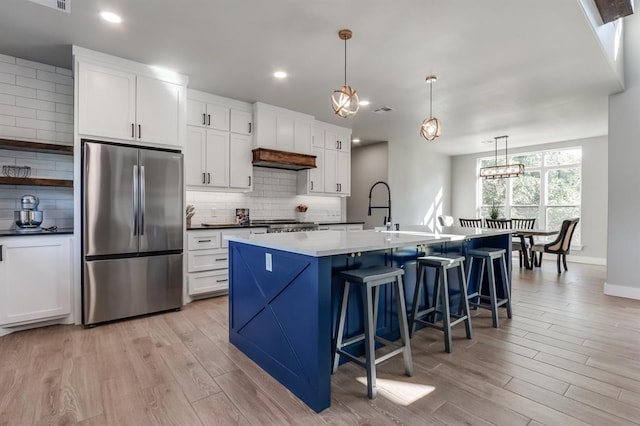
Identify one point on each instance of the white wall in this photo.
(273, 197)
(593, 219)
(624, 180)
(369, 164)
(420, 181)
(36, 104)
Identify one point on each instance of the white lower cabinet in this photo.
(35, 279)
(208, 259)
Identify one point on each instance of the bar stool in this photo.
(487, 256)
(429, 316)
(369, 279)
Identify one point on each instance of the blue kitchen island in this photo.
(283, 294)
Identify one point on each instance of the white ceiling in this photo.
(530, 69)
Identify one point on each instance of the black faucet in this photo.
(388, 206)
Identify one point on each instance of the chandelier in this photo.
(430, 128)
(345, 100)
(503, 171)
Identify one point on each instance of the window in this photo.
(549, 190)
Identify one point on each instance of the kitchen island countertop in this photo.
(329, 243)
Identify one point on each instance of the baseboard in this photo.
(622, 291)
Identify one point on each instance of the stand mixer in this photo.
(29, 217)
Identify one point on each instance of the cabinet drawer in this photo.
(202, 240)
(204, 260)
(232, 232)
(207, 282)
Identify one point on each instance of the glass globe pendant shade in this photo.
(430, 128)
(345, 101)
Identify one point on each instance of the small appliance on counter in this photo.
(29, 218)
(242, 217)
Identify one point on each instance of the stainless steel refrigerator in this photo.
(132, 220)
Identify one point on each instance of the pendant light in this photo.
(431, 127)
(345, 100)
(503, 171)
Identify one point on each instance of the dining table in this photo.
(523, 234)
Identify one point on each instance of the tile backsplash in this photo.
(36, 104)
(273, 197)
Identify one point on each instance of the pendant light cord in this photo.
(345, 61)
(495, 154)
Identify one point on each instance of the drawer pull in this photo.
(204, 241)
(221, 259)
(222, 281)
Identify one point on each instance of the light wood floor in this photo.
(568, 356)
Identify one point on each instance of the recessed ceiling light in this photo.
(364, 102)
(111, 17)
(280, 74)
(356, 140)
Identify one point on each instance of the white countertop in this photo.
(329, 243)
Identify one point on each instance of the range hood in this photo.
(263, 157)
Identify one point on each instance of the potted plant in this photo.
(494, 212)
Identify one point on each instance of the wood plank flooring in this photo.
(569, 356)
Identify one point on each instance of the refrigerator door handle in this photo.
(135, 200)
(142, 199)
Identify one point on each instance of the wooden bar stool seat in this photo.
(369, 279)
(487, 256)
(431, 313)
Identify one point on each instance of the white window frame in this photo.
(541, 221)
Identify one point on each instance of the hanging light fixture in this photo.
(345, 100)
(431, 127)
(503, 171)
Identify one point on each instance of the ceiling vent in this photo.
(382, 109)
(60, 5)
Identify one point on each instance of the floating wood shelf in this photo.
(35, 182)
(36, 146)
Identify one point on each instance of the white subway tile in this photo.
(17, 132)
(7, 160)
(64, 204)
(17, 154)
(55, 116)
(7, 78)
(46, 135)
(54, 97)
(7, 99)
(35, 124)
(17, 111)
(7, 120)
(55, 78)
(64, 108)
(7, 59)
(64, 89)
(64, 127)
(64, 71)
(53, 174)
(61, 158)
(35, 84)
(38, 164)
(36, 65)
(17, 70)
(10, 89)
(35, 104)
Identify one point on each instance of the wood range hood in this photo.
(264, 157)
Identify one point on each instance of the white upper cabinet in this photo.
(333, 159)
(241, 122)
(106, 102)
(282, 129)
(125, 100)
(218, 158)
(157, 111)
(241, 173)
(208, 115)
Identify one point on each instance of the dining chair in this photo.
(560, 246)
(445, 220)
(470, 223)
(498, 223)
(517, 244)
